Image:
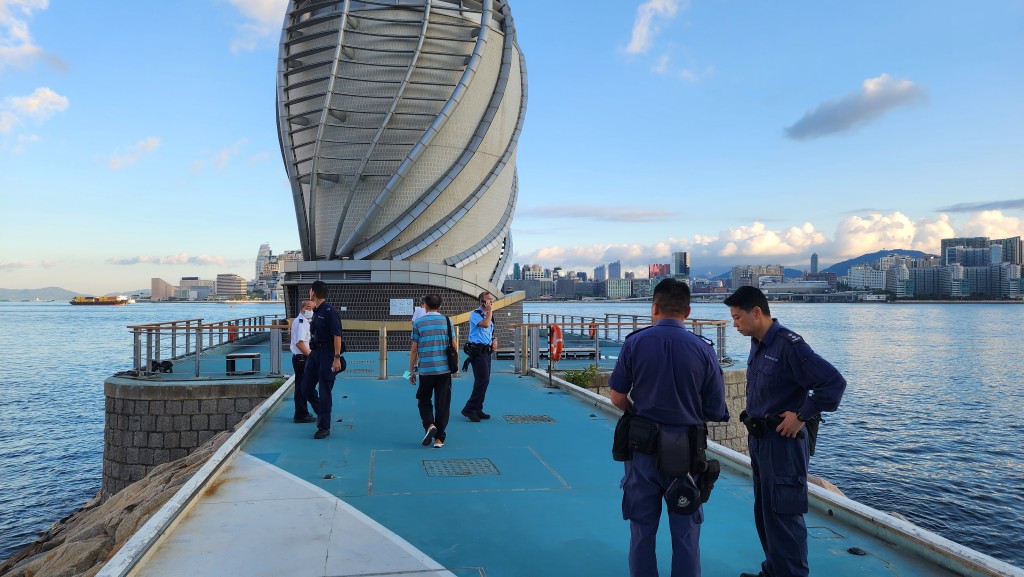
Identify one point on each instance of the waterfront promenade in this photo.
(533, 491)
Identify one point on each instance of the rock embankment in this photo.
(82, 542)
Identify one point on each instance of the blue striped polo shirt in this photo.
(428, 332)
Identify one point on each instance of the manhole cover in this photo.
(362, 362)
(529, 419)
(362, 371)
(459, 467)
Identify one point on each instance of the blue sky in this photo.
(137, 139)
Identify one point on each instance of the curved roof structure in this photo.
(398, 122)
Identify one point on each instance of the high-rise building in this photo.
(814, 263)
(614, 270)
(230, 286)
(160, 290)
(659, 270)
(262, 259)
(517, 274)
(600, 273)
(398, 124)
(681, 265)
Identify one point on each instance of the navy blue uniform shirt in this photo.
(784, 374)
(672, 376)
(324, 327)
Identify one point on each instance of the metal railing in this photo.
(612, 327)
(155, 344)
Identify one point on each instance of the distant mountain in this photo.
(56, 294)
(843, 268)
(44, 294)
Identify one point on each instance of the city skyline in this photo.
(753, 134)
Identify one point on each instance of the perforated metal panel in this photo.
(529, 419)
(459, 467)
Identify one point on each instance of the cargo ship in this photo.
(115, 301)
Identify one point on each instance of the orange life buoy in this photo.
(593, 330)
(554, 342)
(232, 332)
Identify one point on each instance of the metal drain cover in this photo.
(459, 467)
(366, 371)
(529, 419)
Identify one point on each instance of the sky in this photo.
(138, 139)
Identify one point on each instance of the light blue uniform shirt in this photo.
(478, 334)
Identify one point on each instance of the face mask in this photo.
(307, 314)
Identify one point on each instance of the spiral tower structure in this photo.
(398, 122)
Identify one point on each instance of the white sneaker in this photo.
(438, 443)
(429, 435)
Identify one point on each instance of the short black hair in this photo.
(748, 297)
(320, 289)
(433, 301)
(673, 296)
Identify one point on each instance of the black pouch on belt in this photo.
(674, 453)
(620, 442)
(812, 433)
(643, 435)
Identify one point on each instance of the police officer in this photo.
(670, 376)
(782, 374)
(324, 361)
(299, 346)
(481, 343)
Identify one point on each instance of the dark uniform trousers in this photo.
(643, 492)
(318, 372)
(481, 363)
(779, 466)
(439, 387)
(299, 369)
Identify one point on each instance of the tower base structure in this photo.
(371, 294)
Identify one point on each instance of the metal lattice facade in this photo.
(398, 122)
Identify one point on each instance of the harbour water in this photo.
(932, 425)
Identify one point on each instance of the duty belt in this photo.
(759, 426)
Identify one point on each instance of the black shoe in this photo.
(322, 433)
(758, 574)
(428, 436)
(306, 419)
(471, 415)
(483, 415)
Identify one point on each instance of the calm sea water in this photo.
(932, 424)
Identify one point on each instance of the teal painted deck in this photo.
(538, 498)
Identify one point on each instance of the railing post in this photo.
(149, 350)
(534, 347)
(199, 346)
(721, 341)
(137, 348)
(275, 351)
(382, 352)
(157, 346)
(188, 338)
(516, 353)
(174, 340)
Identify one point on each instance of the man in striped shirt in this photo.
(431, 335)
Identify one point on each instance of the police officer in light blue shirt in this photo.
(670, 376)
(787, 386)
(481, 344)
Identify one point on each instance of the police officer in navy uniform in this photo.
(670, 376)
(787, 385)
(324, 362)
(481, 344)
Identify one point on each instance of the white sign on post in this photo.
(401, 307)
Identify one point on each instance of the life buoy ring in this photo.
(555, 342)
(232, 333)
(593, 330)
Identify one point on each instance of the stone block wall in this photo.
(733, 434)
(151, 423)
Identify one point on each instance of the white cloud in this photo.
(265, 18)
(38, 107)
(993, 224)
(16, 45)
(177, 259)
(875, 97)
(600, 213)
(11, 266)
(647, 23)
(792, 246)
(132, 155)
(219, 159)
